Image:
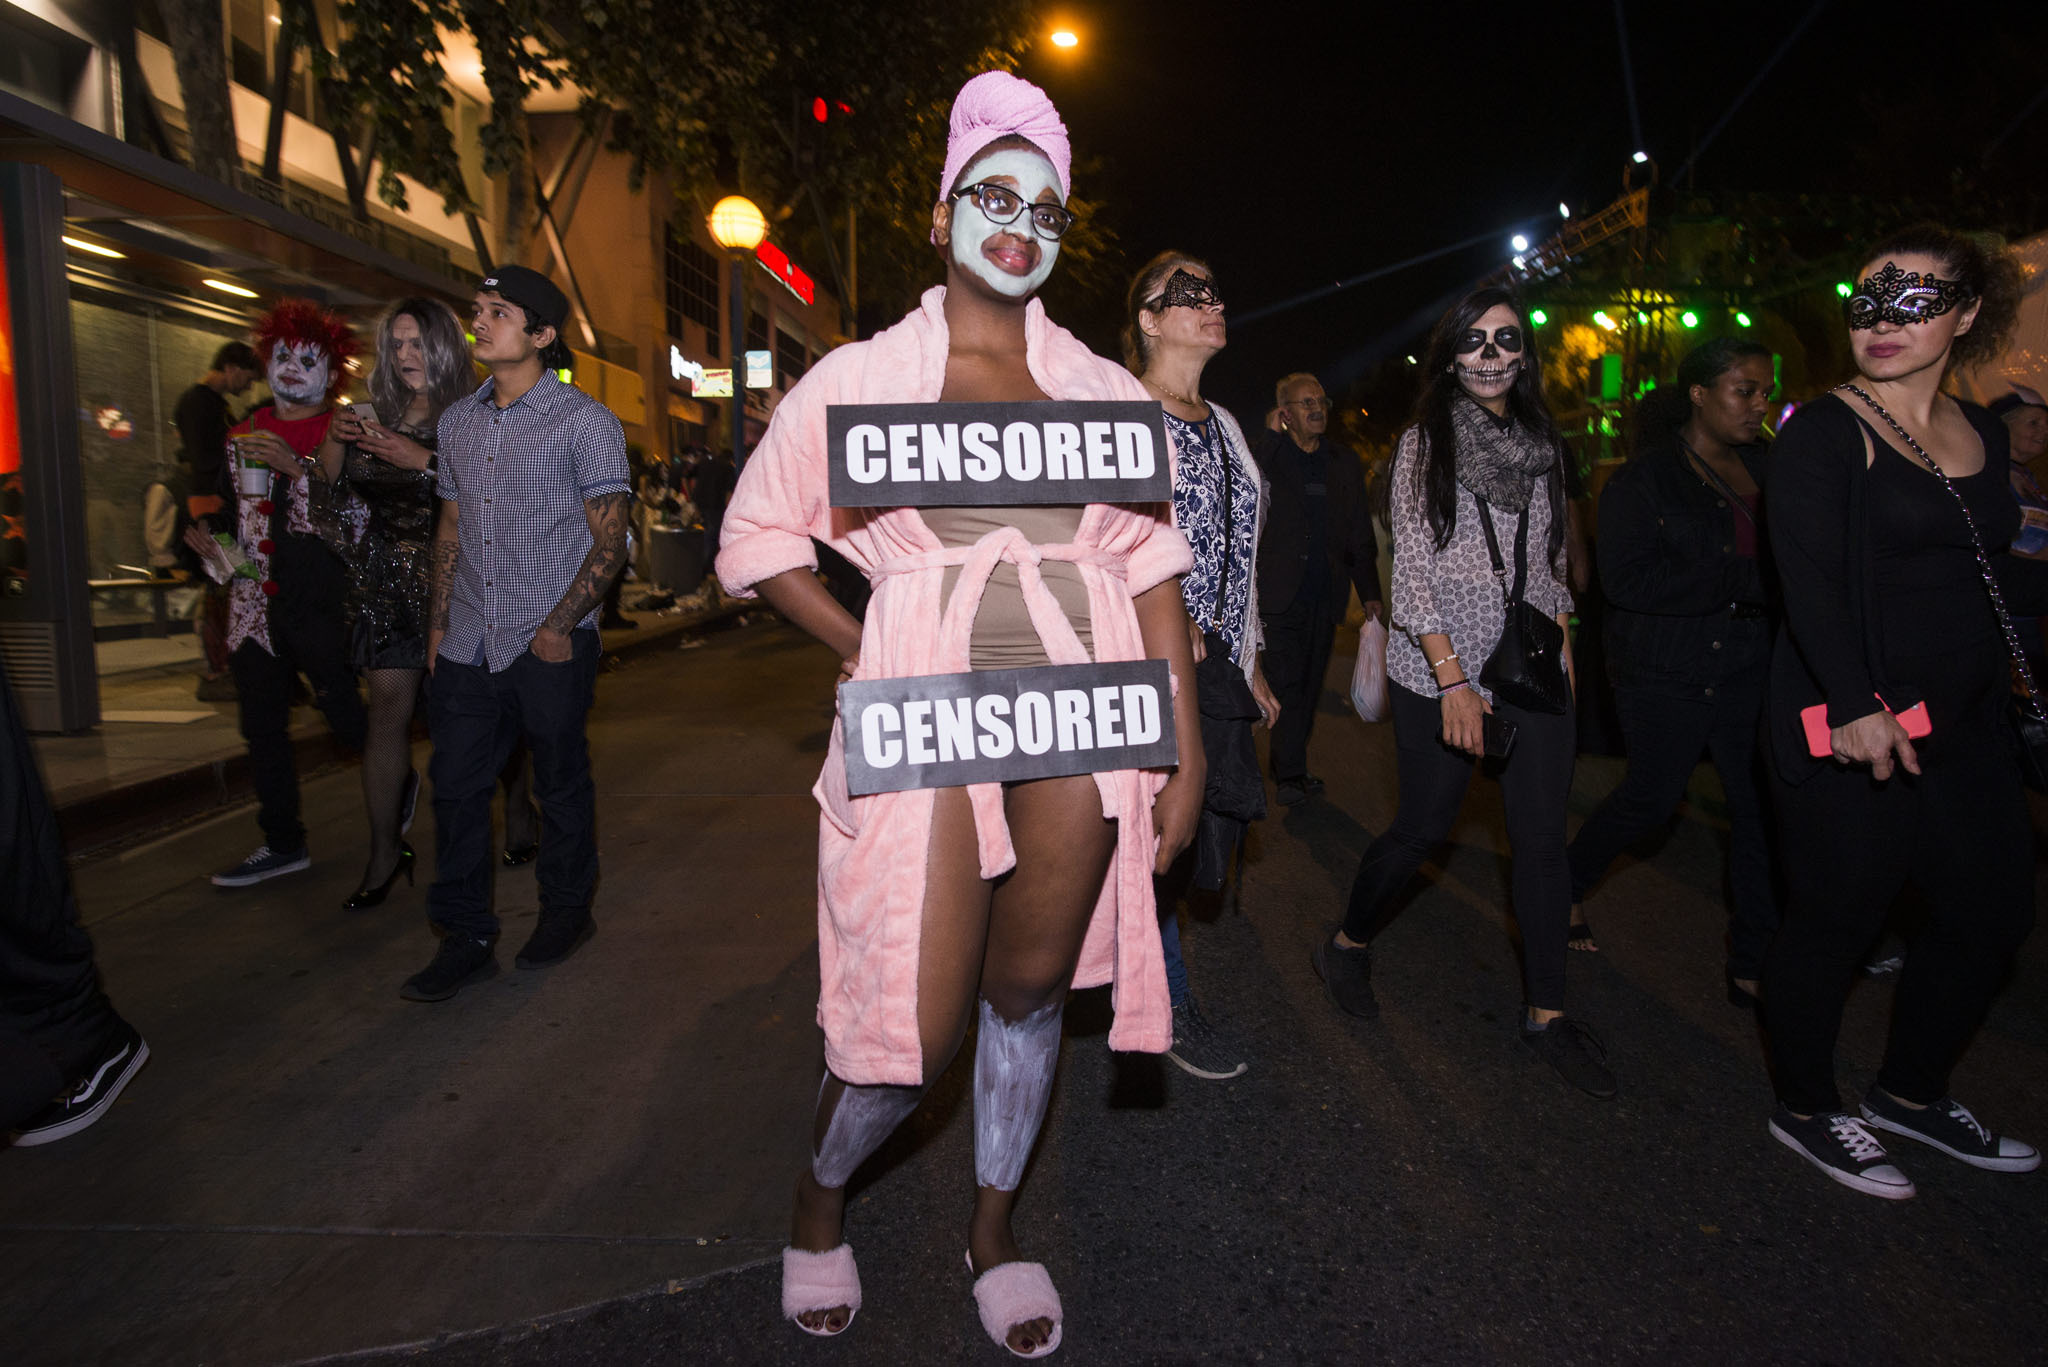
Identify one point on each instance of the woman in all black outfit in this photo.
(1886, 608)
(1689, 637)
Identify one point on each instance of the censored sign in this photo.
(1006, 725)
(938, 455)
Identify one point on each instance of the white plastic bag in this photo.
(1369, 675)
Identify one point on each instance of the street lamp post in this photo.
(738, 225)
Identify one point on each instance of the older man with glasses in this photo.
(1318, 542)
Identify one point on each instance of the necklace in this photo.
(1177, 398)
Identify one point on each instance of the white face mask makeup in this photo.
(298, 374)
(1010, 258)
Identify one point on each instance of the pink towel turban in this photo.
(996, 104)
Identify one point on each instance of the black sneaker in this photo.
(1838, 1144)
(460, 961)
(554, 940)
(1575, 1053)
(1347, 976)
(1198, 1049)
(1312, 785)
(265, 863)
(123, 1053)
(1948, 1125)
(1290, 792)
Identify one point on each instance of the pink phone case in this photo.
(1821, 745)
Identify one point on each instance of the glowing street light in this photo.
(1641, 157)
(1519, 242)
(1065, 38)
(738, 225)
(1564, 210)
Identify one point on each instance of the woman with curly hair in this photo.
(1887, 711)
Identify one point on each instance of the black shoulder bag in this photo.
(1527, 667)
(2029, 724)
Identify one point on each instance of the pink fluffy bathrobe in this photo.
(872, 850)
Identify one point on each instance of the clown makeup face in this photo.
(1487, 371)
(1013, 259)
(298, 374)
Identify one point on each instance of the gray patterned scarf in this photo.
(1498, 463)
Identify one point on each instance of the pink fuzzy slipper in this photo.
(1010, 1294)
(820, 1281)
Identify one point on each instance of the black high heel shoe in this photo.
(366, 897)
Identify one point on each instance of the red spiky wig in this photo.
(302, 320)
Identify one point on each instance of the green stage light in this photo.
(1538, 317)
(1741, 320)
(1842, 288)
(1689, 318)
(1642, 318)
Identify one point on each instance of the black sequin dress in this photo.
(389, 597)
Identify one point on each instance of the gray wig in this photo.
(450, 373)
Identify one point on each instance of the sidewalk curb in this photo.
(129, 809)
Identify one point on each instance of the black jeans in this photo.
(474, 717)
(1666, 735)
(1535, 781)
(316, 644)
(1298, 642)
(53, 1016)
(1960, 832)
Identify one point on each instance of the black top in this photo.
(1296, 535)
(1881, 589)
(1688, 612)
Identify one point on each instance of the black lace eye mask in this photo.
(1187, 290)
(1895, 296)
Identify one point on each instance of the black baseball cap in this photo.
(532, 291)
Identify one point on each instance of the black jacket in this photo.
(1284, 547)
(1687, 615)
(1828, 650)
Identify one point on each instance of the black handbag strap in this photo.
(2012, 639)
(1500, 570)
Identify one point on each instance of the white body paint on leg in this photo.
(1014, 1062)
(864, 1117)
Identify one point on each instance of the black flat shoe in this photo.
(366, 897)
(515, 855)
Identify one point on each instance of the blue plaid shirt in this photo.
(520, 476)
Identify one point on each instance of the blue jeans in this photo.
(475, 716)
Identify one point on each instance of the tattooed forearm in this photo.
(441, 566)
(607, 517)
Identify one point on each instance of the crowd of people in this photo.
(1829, 617)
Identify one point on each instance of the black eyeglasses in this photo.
(1001, 204)
(1508, 339)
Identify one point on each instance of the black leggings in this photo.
(1960, 832)
(1535, 781)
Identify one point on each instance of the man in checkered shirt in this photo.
(532, 531)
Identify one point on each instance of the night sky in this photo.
(1294, 144)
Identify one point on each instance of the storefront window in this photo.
(133, 362)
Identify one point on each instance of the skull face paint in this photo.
(1010, 258)
(1489, 354)
(298, 374)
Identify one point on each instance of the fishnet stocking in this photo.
(387, 760)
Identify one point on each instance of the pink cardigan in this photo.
(872, 850)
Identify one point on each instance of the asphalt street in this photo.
(592, 1164)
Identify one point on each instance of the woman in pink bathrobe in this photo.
(987, 902)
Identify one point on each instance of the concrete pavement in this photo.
(312, 1166)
